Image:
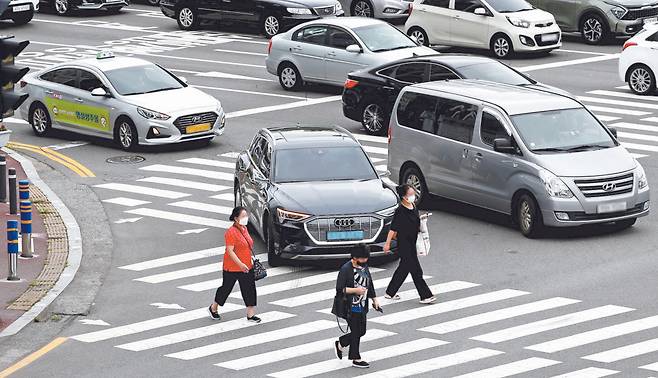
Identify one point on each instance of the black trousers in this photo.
(247, 287)
(357, 323)
(409, 264)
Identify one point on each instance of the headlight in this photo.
(519, 22)
(339, 7)
(298, 10)
(618, 11)
(285, 215)
(554, 186)
(150, 114)
(641, 178)
(388, 211)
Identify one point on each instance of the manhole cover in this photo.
(127, 159)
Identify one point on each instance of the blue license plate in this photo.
(344, 235)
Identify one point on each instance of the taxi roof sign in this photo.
(105, 55)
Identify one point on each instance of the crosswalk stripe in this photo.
(590, 372)
(497, 315)
(175, 259)
(375, 150)
(189, 171)
(295, 351)
(371, 356)
(126, 201)
(650, 138)
(185, 184)
(142, 190)
(600, 92)
(214, 267)
(552, 323)
(635, 126)
(436, 363)
(201, 332)
(641, 147)
(605, 109)
(605, 118)
(215, 283)
(381, 168)
(375, 160)
(224, 197)
(261, 338)
(652, 366)
(209, 162)
(637, 156)
(151, 324)
(371, 138)
(618, 102)
(512, 368)
(443, 307)
(200, 206)
(627, 351)
(650, 119)
(178, 217)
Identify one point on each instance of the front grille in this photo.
(325, 11)
(635, 13)
(544, 24)
(318, 228)
(608, 186)
(194, 119)
(582, 216)
(540, 39)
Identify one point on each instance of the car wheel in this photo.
(40, 120)
(22, 19)
(374, 119)
(272, 259)
(62, 7)
(289, 77)
(412, 176)
(420, 35)
(271, 25)
(187, 18)
(529, 217)
(155, 3)
(125, 134)
(641, 80)
(113, 10)
(593, 29)
(501, 46)
(362, 8)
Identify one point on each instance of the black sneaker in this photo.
(360, 364)
(213, 315)
(254, 319)
(339, 353)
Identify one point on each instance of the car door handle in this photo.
(331, 53)
(464, 153)
(296, 48)
(49, 92)
(456, 17)
(478, 157)
(387, 88)
(77, 99)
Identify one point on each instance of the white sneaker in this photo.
(395, 297)
(428, 300)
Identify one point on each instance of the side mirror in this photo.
(183, 79)
(100, 92)
(480, 11)
(613, 131)
(504, 145)
(243, 162)
(353, 49)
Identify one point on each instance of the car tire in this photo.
(412, 176)
(289, 77)
(125, 134)
(271, 25)
(237, 196)
(62, 7)
(593, 29)
(272, 259)
(362, 8)
(154, 3)
(40, 119)
(641, 80)
(23, 19)
(374, 119)
(501, 46)
(420, 35)
(187, 18)
(528, 216)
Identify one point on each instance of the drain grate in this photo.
(126, 159)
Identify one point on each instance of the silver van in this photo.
(541, 157)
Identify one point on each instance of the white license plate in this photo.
(21, 8)
(650, 20)
(611, 207)
(549, 37)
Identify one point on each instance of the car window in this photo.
(312, 34)
(418, 111)
(256, 150)
(340, 38)
(439, 72)
(148, 78)
(494, 71)
(653, 37)
(467, 5)
(456, 120)
(491, 128)
(410, 73)
(322, 164)
(265, 162)
(64, 76)
(89, 81)
(381, 37)
(437, 3)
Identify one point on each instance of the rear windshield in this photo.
(493, 71)
(383, 37)
(322, 164)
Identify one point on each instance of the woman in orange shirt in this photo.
(238, 266)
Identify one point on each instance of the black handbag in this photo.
(341, 307)
(259, 270)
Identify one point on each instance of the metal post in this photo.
(24, 190)
(12, 249)
(12, 191)
(26, 229)
(3, 178)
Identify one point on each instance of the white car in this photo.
(384, 9)
(20, 11)
(638, 63)
(503, 26)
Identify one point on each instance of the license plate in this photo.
(611, 207)
(549, 38)
(21, 8)
(197, 128)
(344, 235)
(650, 20)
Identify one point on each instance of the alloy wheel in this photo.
(288, 77)
(525, 216)
(39, 119)
(362, 9)
(501, 47)
(640, 80)
(414, 182)
(420, 37)
(186, 17)
(373, 118)
(125, 135)
(61, 6)
(271, 25)
(592, 30)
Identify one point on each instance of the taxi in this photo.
(130, 100)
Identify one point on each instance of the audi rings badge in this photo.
(344, 222)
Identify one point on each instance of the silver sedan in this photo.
(325, 51)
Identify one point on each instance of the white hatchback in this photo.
(638, 63)
(503, 26)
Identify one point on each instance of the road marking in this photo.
(189, 171)
(625, 352)
(127, 220)
(240, 52)
(590, 372)
(63, 146)
(618, 102)
(32, 357)
(637, 156)
(197, 333)
(581, 52)
(220, 75)
(652, 366)
(224, 197)
(192, 205)
(635, 126)
(185, 184)
(215, 283)
(178, 217)
(651, 138)
(650, 119)
(209, 162)
(55, 156)
(605, 118)
(249, 92)
(513, 368)
(443, 307)
(193, 231)
(182, 273)
(167, 306)
(600, 92)
(101, 25)
(291, 105)
(603, 109)
(643, 147)
(144, 190)
(125, 201)
(203, 60)
(567, 63)
(371, 138)
(174, 259)
(497, 315)
(376, 160)
(243, 342)
(375, 150)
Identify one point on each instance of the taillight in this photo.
(389, 134)
(269, 47)
(628, 44)
(23, 83)
(349, 84)
(411, 8)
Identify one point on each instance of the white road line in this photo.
(224, 75)
(375, 150)
(209, 162)
(179, 217)
(16, 120)
(151, 324)
(618, 102)
(371, 138)
(625, 135)
(381, 168)
(567, 63)
(144, 190)
(623, 95)
(202, 207)
(174, 259)
(605, 109)
(642, 147)
(652, 366)
(261, 338)
(443, 307)
(182, 273)
(224, 197)
(637, 156)
(376, 160)
(627, 351)
(513, 368)
(590, 372)
(331, 366)
(605, 118)
(295, 351)
(215, 283)
(551, 324)
(185, 184)
(634, 126)
(650, 119)
(201, 332)
(248, 92)
(189, 171)
(580, 52)
(497, 315)
(211, 61)
(436, 363)
(291, 105)
(125, 201)
(240, 52)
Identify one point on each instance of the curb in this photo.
(74, 254)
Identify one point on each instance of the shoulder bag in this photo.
(259, 270)
(423, 241)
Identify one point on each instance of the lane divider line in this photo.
(33, 357)
(53, 155)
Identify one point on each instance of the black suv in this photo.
(271, 16)
(312, 192)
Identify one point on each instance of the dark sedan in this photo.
(369, 95)
(312, 193)
(65, 7)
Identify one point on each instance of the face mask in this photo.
(244, 221)
(411, 198)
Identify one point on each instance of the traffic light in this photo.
(10, 74)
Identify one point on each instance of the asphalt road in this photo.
(502, 298)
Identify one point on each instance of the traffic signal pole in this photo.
(10, 74)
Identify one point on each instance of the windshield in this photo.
(383, 37)
(322, 164)
(141, 79)
(509, 6)
(558, 131)
(493, 71)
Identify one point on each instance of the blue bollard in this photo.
(12, 249)
(26, 229)
(24, 190)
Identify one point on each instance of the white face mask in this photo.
(411, 198)
(243, 221)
